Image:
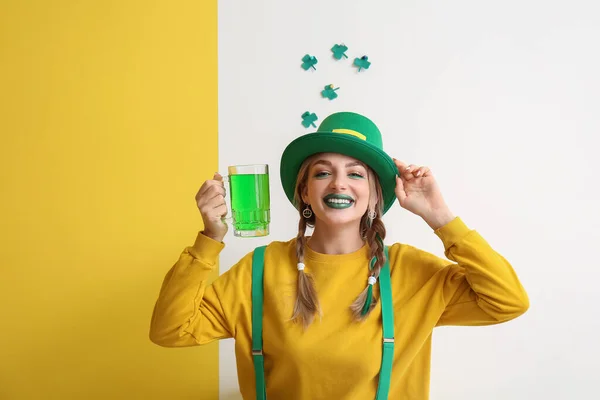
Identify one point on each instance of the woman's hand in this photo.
(418, 192)
(210, 200)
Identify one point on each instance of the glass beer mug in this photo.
(250, 202)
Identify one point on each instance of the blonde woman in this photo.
(337, 315)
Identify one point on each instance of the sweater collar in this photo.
(360, 254)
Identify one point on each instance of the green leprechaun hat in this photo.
(345, 133)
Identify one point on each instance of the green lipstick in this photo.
(338, 201)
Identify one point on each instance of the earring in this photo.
(307, 212)
(371, 215)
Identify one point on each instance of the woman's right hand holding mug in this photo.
(210, 200)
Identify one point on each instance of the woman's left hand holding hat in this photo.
(418, 192)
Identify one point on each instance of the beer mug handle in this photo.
(228, 219)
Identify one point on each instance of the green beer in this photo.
(250, 202)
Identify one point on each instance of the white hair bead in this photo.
(372, 280)
(301, 266)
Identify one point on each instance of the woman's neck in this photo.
(339, 240)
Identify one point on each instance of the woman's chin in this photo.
(340, 218)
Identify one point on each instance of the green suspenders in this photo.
(387, 311)
(258, 260)
(387, 316)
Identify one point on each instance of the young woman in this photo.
(343, 316)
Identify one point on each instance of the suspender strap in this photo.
(387, 313)
(258, 261)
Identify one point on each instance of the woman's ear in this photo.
(373, 202)
(373, 206)
(304, 194)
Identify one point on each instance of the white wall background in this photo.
(501, 100)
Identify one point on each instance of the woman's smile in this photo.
(338, 201)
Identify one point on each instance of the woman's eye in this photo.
(321, 174)
(356, 175)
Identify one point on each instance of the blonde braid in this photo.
(374, 233)
(307, 302)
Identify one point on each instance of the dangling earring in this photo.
(307, 212)
(371, 215)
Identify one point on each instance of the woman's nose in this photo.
(338, 182)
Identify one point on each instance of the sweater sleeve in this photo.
(189, 312)
(481, 287)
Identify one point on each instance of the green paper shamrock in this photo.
(362, 63)
(309, 119)
(309, 61)
(339, 50)
(329, 92)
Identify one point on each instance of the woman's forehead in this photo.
(335, 158)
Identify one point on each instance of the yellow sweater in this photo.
(337, 358)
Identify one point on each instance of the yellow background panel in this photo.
(108, 124)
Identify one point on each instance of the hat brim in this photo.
(326, 142)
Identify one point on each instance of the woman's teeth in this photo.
(339, 201)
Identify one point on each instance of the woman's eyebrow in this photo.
(354, 164)
(322, 162)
